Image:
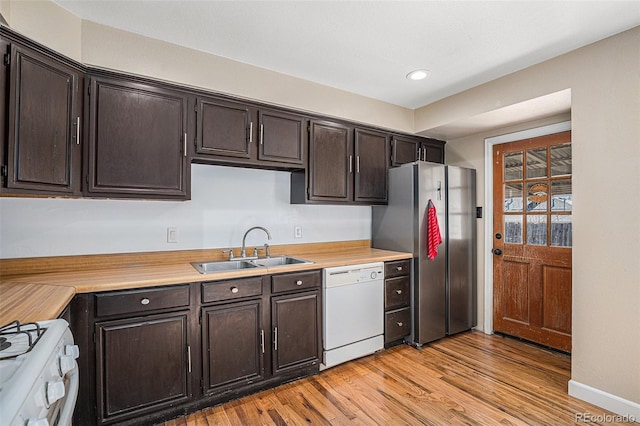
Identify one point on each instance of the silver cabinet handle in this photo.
(400, 324)
(251, 132)
(189, 357)
(144, 301)
(419, 153)
(424, 154)
(299, 282)
(398, 291)
(261, 133)
(234, 290)
(357, 164)
(78, 131)
(184, 153)
(262, 340)
(351, 164)
(275, 339)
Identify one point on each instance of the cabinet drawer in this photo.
(136, 301)
(397, 292)
(295, 281)
(397, 324)
(398, 268)
(232, 289)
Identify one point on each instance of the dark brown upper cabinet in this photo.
(137, 140)
(407, 149)
(236, 133)
(330, 171)
(346, 165)
(43, 152)
(371, 165)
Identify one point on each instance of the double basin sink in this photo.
(242, 264)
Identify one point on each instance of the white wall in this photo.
(225, 203)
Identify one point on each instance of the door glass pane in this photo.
(513, 229)
(536, 163)
(537, 229)
(561, 160)
(513, 166)
(561, 233)
(513, 197)
(561, 196)
(537, 194)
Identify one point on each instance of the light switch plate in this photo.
(172, 235)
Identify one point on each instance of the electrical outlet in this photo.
(172, 235)
(297, 231)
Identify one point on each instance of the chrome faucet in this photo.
(243, 253)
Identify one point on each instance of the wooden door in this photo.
(142, 364)
(233, 345)
(532, 239)
(44, 124)
(224, 129)
(404, 150)
(296, 330)
(371, 164)
(137, 142)
(331, 162)
(432, 150)
(281, 137)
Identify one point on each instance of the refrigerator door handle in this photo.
(439, 189)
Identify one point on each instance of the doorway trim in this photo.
(488, 205)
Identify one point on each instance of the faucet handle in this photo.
(230, 251)
(256, 250)
(267, 250)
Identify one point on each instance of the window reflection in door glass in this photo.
(561, 195)
(537, 229)
(561, 231)
(513, 229)
(513, 197)
(561, 160)
(536, 163)
(513, 166)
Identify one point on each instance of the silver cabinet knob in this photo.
(398, 291)
(234, 290)
(299, 282)
(398, 268)
(400, 324)
(144, 301)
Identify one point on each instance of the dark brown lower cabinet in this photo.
(232, 344)
(142, 364)
(296, 329)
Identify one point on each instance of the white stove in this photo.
(38, 374)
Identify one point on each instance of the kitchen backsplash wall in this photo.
(225, 202)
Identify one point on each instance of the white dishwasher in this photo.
(353, 312)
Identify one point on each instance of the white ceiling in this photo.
(368, 47)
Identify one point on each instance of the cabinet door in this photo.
(281, 137)
(137, 142)
(142, 364)
(232, 345)
(223, 128)
(296, 330)
(404, 150)
(372, 154)
(433, 151)
(330, 162)
(44, 124)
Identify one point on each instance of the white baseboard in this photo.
(629, 410)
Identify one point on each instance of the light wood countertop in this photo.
(45, 295)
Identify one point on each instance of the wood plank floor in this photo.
(467, 379)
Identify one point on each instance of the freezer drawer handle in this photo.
(400, 324)
(399, 291)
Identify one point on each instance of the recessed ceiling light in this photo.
(418, 74)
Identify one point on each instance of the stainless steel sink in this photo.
(223, 266)
(281, 261)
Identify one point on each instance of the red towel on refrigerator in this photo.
(434, 239)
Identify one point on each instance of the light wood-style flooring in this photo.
(467, 379)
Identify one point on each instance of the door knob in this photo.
(497, 252)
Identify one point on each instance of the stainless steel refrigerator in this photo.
(444, 288)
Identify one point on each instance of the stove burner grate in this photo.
(30, 333)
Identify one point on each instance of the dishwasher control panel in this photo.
(352, 274)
